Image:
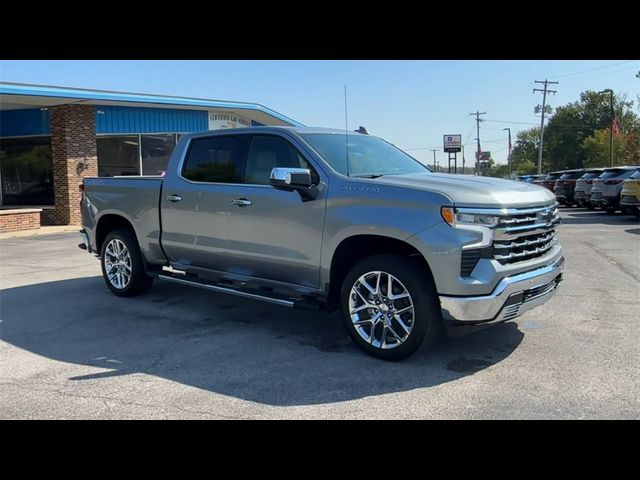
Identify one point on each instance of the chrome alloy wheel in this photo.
(117, 262)
(381, 310)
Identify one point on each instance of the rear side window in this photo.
(215, 159)
(268, 152)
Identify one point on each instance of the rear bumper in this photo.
(629, 201)
(512, 297)
(563, 196)
(598, 199)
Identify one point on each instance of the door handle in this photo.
(241, 202)
(173, 198)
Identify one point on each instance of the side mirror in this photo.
(294, 179)
(290, 178)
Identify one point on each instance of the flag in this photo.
(615, 128)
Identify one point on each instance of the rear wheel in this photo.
(122, 265)
(390, 307)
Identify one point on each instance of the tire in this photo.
(611, 210)
(421, 315)
(124, 242)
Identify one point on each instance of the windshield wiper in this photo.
(372, 175)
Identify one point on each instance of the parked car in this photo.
(538, 180)
(630, 194)
(565, 185)
(582, 190)
(288, 216)
(549, 180)
(606, 189)
(530, 178)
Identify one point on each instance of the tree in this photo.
(572, 124)
(626, 149)
(499, 171)
(524, 155)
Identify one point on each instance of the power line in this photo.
(509, 121)
(592, 69)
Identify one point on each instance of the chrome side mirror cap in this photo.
(290, 178)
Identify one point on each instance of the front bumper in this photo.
(512, 297)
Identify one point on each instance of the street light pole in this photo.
(509, 157)
(610, 92)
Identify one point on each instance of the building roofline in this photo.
(37, 90)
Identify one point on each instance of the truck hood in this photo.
(470, 190)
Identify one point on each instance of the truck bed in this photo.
(134, 197)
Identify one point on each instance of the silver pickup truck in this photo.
(319, 218)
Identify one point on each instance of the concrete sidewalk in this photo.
(41, 231)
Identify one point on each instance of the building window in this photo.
(156, 151)
(26, 171)
(118, 155)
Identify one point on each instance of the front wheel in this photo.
(122, 265)
(390, 307)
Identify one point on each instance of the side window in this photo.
(268, 152)
(215, 159)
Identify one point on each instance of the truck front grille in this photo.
(526, 235)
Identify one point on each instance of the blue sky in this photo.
(410, 103)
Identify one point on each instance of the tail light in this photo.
(612, 182)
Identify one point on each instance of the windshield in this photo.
(368, 156)
(552, 176)
(636, 175)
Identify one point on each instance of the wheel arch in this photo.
(357, 247)
(108, 223)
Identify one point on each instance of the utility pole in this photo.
(479, 152)
(462, 159)
(509, 157)
(613, 115)
(544, 105)
(434, 150)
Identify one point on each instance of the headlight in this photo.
(454, 218)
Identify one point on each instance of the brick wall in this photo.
(20, 219)
(73, 150)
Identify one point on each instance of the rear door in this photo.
(195, 201)
(274, 234)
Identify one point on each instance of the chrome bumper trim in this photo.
(509, 299)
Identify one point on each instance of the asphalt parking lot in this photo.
(70, 349)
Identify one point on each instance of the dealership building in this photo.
(52, 137)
